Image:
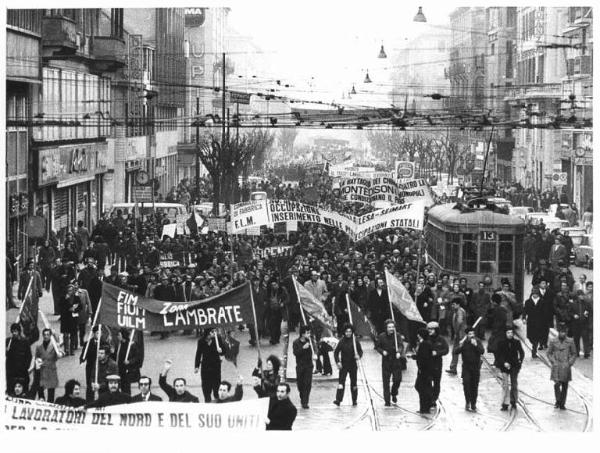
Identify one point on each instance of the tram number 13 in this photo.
(488, 235)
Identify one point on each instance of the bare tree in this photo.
(226, 160)
(451, 151)
(286, 139)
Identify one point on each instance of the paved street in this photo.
(536, 412)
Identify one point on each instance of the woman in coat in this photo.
(268, 378)
(48, 374)
(562, 355)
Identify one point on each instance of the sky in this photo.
(323, 48)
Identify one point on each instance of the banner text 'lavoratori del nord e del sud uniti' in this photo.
(248, 415)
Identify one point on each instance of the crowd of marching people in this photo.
(330, 267)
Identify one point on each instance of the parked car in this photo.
(551, 223)
(553, 207)
(575, 233)
(520, 211)
(500, 202)
(584, 252)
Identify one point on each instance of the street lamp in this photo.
(420, 17)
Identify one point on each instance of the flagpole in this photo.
(419, 256)
(255, 321)
(350, 319)
(303, 315)
(23, 300)
(473, 326)
(59, 353)
(129, 345)
(87, 344)
(96, 392)
(391, 309)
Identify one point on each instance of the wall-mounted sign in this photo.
(194, 17)
(71, 162)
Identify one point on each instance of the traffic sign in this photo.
(559, 178)
(405, 169)
(142, 194)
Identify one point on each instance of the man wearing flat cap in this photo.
(509, 358)
(113, 396)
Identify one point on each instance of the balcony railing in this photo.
(110, 52)
(59, 32)
(542, 90)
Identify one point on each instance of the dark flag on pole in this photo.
(231, 354)
(28, 315)
(362, 326)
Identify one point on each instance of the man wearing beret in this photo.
(471, 350)
(439, 348)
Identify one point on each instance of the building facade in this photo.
(23, 89)
(70, 146)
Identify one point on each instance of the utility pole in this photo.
(198, 148)
(223, 105)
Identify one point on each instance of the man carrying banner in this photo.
(347, 354)
(390, 346)
(145, 395)
(282, 411)
(106, 367)
(177, 393)
(128, 360)
(18, 357)
(208, 361)
(113, 396)
(304, 364)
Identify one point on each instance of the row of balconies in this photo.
(60, 36)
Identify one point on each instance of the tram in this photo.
(476, 240)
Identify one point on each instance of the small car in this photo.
(584, 252)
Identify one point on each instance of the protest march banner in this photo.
(355, 190)
(169, 230)
(122, 308)
(409, 215)
(216, 224)
(414, 190)
(275, 251)
(250, 415)
(181, 221)
(248, 214)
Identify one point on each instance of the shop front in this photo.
(70, 185)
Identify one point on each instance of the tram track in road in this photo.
(587, 427)
(512, 413)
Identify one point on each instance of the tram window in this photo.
(452, 250)
(469, 255)
(487, 257)
(506, 257)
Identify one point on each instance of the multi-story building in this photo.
(153, 88)
(420, 71)
(205, 30)
(501, 29)
(576, 149)
(553, 77)
(23, 87)
(70, 144)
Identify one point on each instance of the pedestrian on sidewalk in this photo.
(562, 355)
(471, 350)
(509, 358)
